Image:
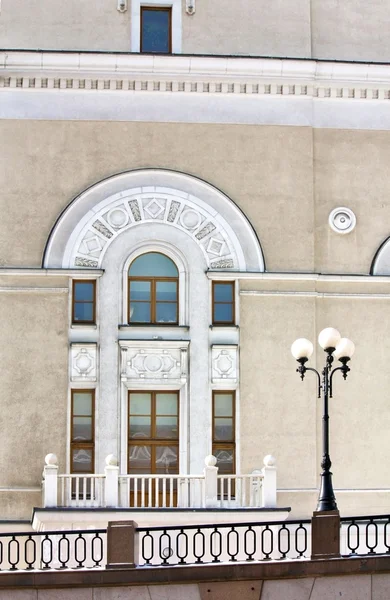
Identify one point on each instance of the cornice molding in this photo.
(193, 74)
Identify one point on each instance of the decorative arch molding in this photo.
(381, 262)
(90, 223)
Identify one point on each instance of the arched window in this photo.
(153, 290)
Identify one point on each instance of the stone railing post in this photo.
(269, 499)
(325, 534)
(210, 482)
(111, 482)
(50, 476)
(122, 545)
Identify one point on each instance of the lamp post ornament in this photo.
(335, 347)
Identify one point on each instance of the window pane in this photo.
(82, 403)
(140, 458)
(223, 292)
(166, 313)
(140, 312)
(153, 264)
(82, 460)
(166, 404)
(166, 291)
(82, 429)
(167, 459)
(83, 290)
(140, 404)
(223, 405)
(83, 312)
(155, 30)
(223, 313)
(140, 290)
(225, 460)
(166, 427)
(140, 427)
(223, 430)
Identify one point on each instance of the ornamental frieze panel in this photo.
(83, 362)
(186, 213)
(167, 361)
(224, 364)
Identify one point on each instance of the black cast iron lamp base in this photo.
(335, 347)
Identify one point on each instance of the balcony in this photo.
(195, 497)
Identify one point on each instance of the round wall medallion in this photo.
(342, 220)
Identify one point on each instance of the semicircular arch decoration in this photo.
(99, 215)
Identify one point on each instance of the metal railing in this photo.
(365, 535)
(53, 550)
(202, 544)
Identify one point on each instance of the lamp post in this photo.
(335, 347)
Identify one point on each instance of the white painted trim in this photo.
(20, 489)
(356, 295)
(269, 276)
(38, 272)
(136, 22)
(34, 290)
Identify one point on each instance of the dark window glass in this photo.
(156, 30)
(153, 289)
(224, 446)
(223, 303)
(82, 433)
(83, 308)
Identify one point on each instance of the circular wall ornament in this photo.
(342, 220)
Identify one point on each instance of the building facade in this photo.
(188, 187)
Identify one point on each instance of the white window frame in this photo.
(136, 6)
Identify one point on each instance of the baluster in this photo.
(143, 492)
(157, 490)
(135, 501)
(150, 492)
(171, 492)
(164, 493)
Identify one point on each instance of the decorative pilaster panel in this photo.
(83, 362)
(154, 361)
(224, 364)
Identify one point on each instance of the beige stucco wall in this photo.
(71, 25)
(260, 28)
(351, 30)
(267, 171)
(33, 392)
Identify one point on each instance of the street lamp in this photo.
(335, 347)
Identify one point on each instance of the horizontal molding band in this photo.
(313, 294)
(269, 276)
(39, 272)
(33, 290)
(20, 489)
(338, 490)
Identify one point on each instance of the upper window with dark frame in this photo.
(156, 30)
(83, 302)
(223, 303)
(153, 290)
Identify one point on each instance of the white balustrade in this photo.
(208, 490)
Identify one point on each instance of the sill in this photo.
(83, 326)
(149, 326)
(227, 326)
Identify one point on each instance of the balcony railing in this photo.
(111, 489)
(187, 544)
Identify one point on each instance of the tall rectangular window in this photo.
(83, 301)
(156, 30)
(224, 431)
(223, 303)
(82, 445)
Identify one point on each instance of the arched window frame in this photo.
(178, 259)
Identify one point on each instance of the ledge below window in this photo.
(155, 331)
(224, 327)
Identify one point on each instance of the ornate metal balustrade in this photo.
(53, 550)
(202, 544)
(365, 535)
(189, 544)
